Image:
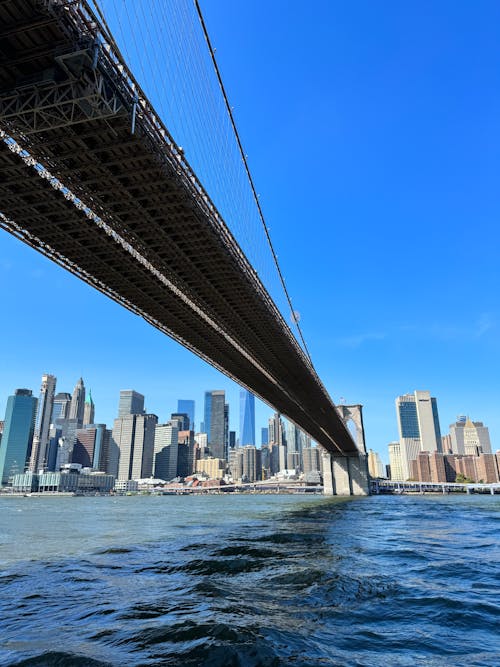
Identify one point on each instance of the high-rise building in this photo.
(77, 402)
(247, 418)
(88, 410)
(216, 423)
(166, 450)
(39, 453)
(17, 437)
(226, 430)
(134, 436)
(264, 436)
(90, 446)
(183, 420)
(60, 409)
(418, 419)
(375, 465)
(395, 462)
(275, 429)
(131, 403)
(232, 439)
(292, 446)
(476, 438)
(311, 459)
(187, 407)
(185, 453)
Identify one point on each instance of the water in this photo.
(252, 580)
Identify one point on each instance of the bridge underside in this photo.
(142, 229)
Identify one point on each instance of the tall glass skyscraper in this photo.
(18, 432)
(78, 402)
(247, 418)
(187, 406)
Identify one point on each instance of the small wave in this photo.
(59, 659)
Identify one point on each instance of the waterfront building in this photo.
(247, 418)
(437, 467)
(71, 479)
(60, 408)
(88, 410)
(17, 437)
(214, 468)
(185, 406)
(166, 444)
(216, 422)
(131, 403)
(418, 419)
(39, 449)
(77, 405)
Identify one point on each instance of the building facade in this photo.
(17, 438)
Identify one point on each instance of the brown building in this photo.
(436, 467)
(486, 468)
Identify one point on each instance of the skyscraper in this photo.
(247, 418)
(187, 406)
(39, 451)
(418, 419)
(134, 435)
(166, 450)
(88, 410)
(60, 409)
(17, 437)
(131, 403)
(77, 402)
(215, 423)
(264, 436)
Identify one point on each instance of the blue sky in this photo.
(373, 136)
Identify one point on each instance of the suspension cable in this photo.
(249, 175)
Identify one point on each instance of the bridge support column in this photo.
(345, 475)
(358, 473)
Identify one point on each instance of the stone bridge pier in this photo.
(347, 475)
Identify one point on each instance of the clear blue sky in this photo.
(373, 135)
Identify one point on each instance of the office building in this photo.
(418, 419)
(88, 410)
(216, 423)
(311, 459)
(134, 436)
(60, 408)
(166, 444)
(226, 430)
(182, 419)
(39, 453)
(232, 439)
(185, 406)
(90, 446)
(131, 403)
(17, 438)
(77, 405)
(264, 436)
(247, 418)
(292, 447)
(396, 462)
(375, 465)
(213, 468)
(475, 433)
(185, 453)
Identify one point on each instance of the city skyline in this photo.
(374, 323)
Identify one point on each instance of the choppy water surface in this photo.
(250, 580)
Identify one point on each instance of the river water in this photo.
(251, 580)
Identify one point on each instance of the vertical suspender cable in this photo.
(249, 175)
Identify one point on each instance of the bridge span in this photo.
(91, 177)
